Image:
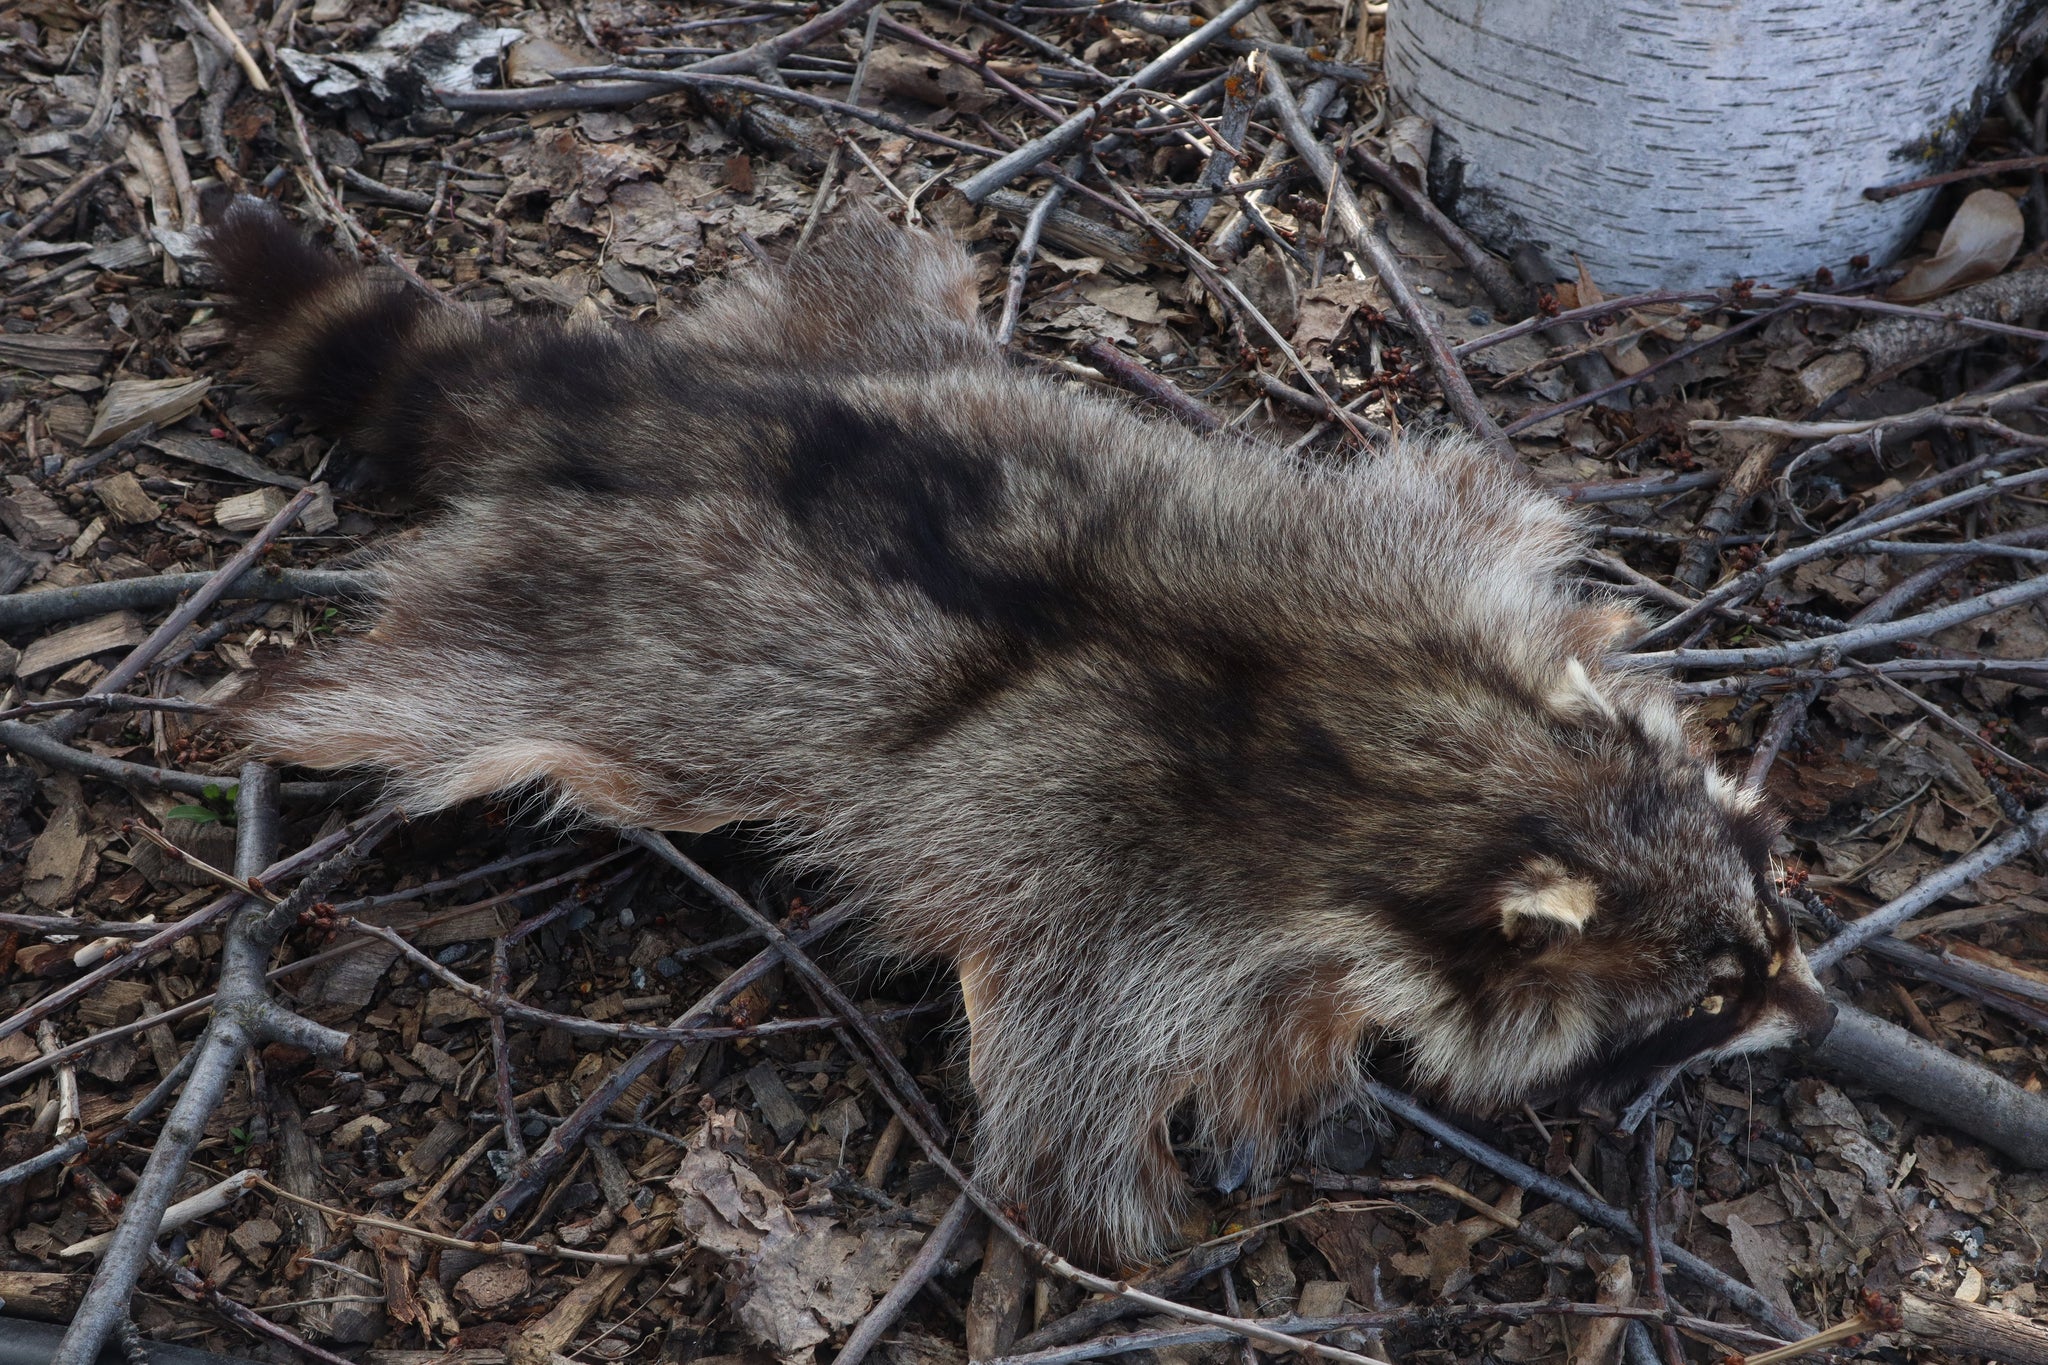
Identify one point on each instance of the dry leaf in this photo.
(1588, 292)
(651, 229)
(1327, 309)
(1766, 1258)
(1825, 1117)
(805, 1276)
(60, 860)
(1133, 301)
(1959, 1172)
(1408, 143)
(1980, 241)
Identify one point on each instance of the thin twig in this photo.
(1431, 1318)
(1850, 641)
(552, 1249)
(1889, 916)
(1371, 242)
(980, 185)
(1592, 1210)
(795, 956)
(915, 1276)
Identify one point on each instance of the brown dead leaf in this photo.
(927, 78)
(805, 1275)
(1980, 241)
(1757, 1208)
(1328, 308)
(652, 229)
(1827, 1118)
(1960, 1172)
(1136, 302)
(1936, 827)
(60, 861)
(1408, 144)
(1766, 1260)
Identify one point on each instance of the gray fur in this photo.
(1210, 770)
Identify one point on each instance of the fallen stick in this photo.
(883, 1315)
(768, 52)
(1912, 334)
(1149, 19)
(905, 1107)
(1432, 1317)
(63, 200)
(1970, 1327)
(245, 1015)
(1763, 657)
(22, 610)
(529, 1177)
(129, 669)
(1004, 169)
(1198, 1263)
(1887, 918)
(2009, 993)
(1104, 356)
(1865, 1050)
(1750, 581)
(1370, 242)
(1591, 1209)
(27, 739)
(212, 1199)
(794, 955)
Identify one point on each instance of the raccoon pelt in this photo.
(1213, 775)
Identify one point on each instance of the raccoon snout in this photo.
(1818, 1033)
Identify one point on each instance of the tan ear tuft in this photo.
(1573, 693)
(1548, 894)
(1592, 631)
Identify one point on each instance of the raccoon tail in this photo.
(363, 356)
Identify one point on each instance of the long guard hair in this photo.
(1217, 778)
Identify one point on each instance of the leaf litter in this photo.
(123, 433)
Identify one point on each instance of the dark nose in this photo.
(1819, 1023)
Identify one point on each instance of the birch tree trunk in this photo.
(1686, 143)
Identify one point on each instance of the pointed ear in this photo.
(1544, 893)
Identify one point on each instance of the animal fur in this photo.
(1212, 774)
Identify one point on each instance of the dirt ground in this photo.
(760, 1161)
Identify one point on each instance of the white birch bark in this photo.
(1685, 143)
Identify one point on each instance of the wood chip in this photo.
(431, 1153)
(122, 495)
(52, 354)
(116, 1002)
(776, 1104)
(15, 564)
(229, 459)
(249, 511)
(33, 517)
(134, 403)
(115, 630)
(1322, 1298)
(995, 1308)
(436, 1063)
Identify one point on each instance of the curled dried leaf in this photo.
(1980, 241)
